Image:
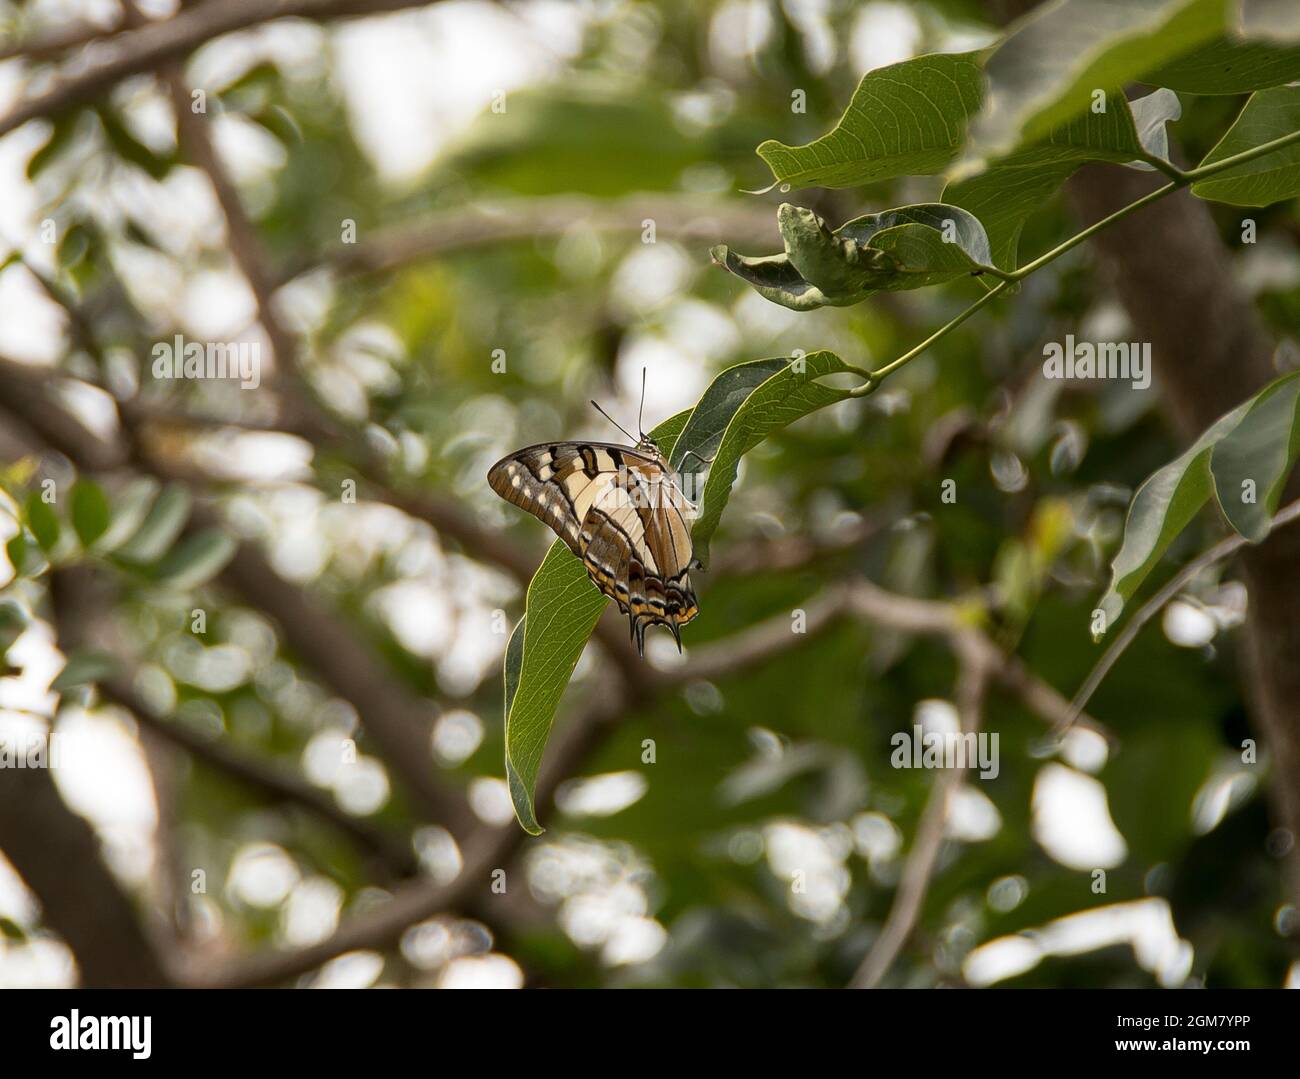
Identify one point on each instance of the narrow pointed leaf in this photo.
(196, 559)
(43, 521)
(24, 555)
(1162, 507)
(82, 669)
(89, 511)
(14, 619)
(160, 528)
(1251, 464)
(130, 507)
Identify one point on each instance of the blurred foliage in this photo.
(790, 757)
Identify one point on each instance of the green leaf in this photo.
(131, 149)
(1268, 115)
(42, 521)
(1228, 66)
(1162, 507)
(89, 511)
(706, 423)
(160, 528)
(894, 250)
(1261, 449)
(1270, 20)
(1045, 72)
(196, 559)
(75, 244)
(560, 613)
(1009, 192)
(64, 128)
(128, 511)
(907, 119)
(24, 555)
(786, 396)
(82, 669)
(13, 621)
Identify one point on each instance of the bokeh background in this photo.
(433, 223)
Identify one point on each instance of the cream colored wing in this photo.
(636, 544)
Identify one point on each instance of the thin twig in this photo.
(919, 867)
(279, 784)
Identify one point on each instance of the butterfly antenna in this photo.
(640, 412)
(612, 420)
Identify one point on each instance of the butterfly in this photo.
(622, 511)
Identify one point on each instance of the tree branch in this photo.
(686, 218)
(275, 783)
(57, 854)
(80, 602)
(154, 44)
(55, 43)
(487, 849)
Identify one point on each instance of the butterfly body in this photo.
(621, 510)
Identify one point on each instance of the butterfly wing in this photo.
(558, 482)
(636, 544)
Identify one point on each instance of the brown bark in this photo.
(1210, 351)
(56, 852)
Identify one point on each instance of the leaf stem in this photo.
(1179, 180)
(1161, 165)
(875, 378)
